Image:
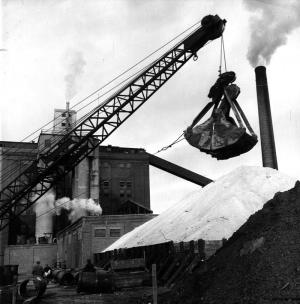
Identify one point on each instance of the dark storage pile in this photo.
(260, 263)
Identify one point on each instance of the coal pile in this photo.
(260, 263)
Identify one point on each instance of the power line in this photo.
(115, 78)
(55, 138)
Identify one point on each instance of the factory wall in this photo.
(62, 187)
(113, 175)
(110, 176)
(14, 157)
(124, 175)
(90, 235)
(26, 255)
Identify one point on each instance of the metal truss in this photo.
(73, 147)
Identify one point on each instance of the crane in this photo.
(67, 152)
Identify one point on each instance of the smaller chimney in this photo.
(268, 149)
(68, 120)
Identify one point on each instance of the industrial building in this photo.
(13, 157)
(105, 196)
(115, 178)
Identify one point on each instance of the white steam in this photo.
(77, 207)
(270, 25)
(74, 63)
(47, 206)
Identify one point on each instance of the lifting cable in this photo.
(200, 115)
(176, 141)
(222, 56)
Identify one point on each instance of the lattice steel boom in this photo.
(73, 147)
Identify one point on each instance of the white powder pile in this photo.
(212, 213)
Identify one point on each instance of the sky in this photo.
(55, 50)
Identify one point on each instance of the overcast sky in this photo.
(43, 39)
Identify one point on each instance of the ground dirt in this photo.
(56, 294)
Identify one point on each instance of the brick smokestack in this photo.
(268, 149)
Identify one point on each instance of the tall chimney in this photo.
(268, 149)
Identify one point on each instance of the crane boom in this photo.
(73, 147)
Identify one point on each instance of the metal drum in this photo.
(54, 275)
(64, 277)
(75, 274)
(36, 288)
(95, 282)
(105, 281)
(55, 271)
(88, 282)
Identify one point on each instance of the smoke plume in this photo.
(74, 63)
(47, 206)
(77, 207)
(270, 25)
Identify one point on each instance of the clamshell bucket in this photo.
(220, 136)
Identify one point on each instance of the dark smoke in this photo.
(271, 23)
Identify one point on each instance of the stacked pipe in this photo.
(63, 277)
(268, 149)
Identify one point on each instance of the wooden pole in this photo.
(154, 284)
(14, 294)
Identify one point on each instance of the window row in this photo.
(122, 184)
(122, 165)
(101, 232)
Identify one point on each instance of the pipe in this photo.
(268, 148)
(178, 171)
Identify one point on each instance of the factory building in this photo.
(90, 235)
(14, 157)
(115, 178)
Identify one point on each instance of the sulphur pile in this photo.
(213, 212)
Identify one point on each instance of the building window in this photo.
(122, 184)
(114, 232)
(125, 165)
(105, 184)
(100, 232)
(125, 188)
(69, 238)
(129, 185)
